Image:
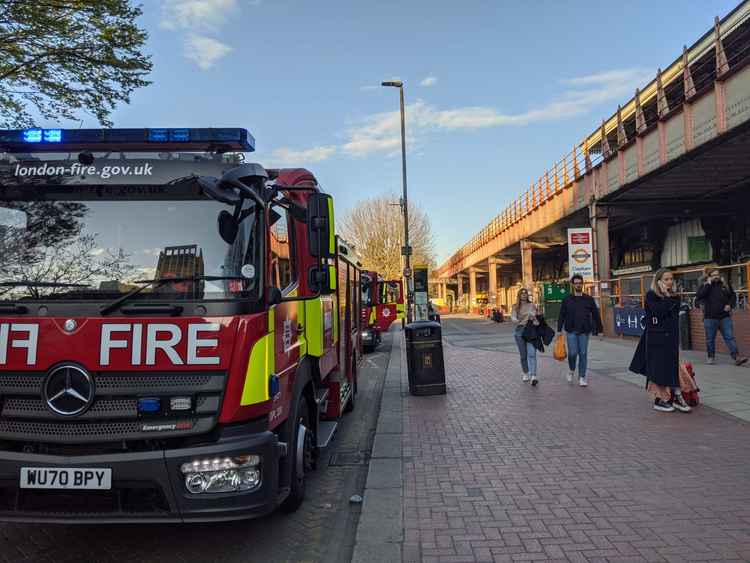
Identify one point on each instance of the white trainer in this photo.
(525, 377)
(582, 382)
(570, 377)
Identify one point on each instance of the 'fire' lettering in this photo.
(30, 343)
(108, 343)
(152, 344)
(194, 343)
(155, 337)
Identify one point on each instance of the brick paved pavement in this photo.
(723, 386)
(499, 471)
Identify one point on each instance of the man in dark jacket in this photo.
(717, 300)
(579, 315)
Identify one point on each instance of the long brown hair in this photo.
(517, 306)
(657, 278)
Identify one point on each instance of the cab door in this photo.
(284, 318)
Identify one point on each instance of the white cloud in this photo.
(609, 78)
(197, 15)
(380, 133)
(429, 81)
(285, 156)
(205, 51)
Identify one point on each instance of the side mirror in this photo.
(228, 226)
(320, 226)
(245, 176)
(274, 296)
(320, 280)
(214, 189)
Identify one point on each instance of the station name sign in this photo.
(581, 253)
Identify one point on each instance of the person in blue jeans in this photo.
(717, 300)
(579, 315)
(523, 312)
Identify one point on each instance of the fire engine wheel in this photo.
(303, 450)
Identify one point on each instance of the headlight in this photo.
(222, 475)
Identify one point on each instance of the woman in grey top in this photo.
(523, 312)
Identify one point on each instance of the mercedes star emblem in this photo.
(68, 390)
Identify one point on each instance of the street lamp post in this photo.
(407, 249)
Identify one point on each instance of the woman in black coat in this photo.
(658, 353)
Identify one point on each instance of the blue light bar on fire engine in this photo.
(140, 140)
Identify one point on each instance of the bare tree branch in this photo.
(375, 226)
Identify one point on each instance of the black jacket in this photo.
(658, 353)
(540, 335)
(579, 314)
(713, 298)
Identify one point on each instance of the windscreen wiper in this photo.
(157, 283)
(32, 283)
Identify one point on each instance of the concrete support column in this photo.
(600, 226)
(460, 289)
(527, 268)
(472, 288)
(501, 285)
(492, 287)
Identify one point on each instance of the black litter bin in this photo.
(424, 358)
(684, 319)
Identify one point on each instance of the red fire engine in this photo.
(179, 329)
(382, 304)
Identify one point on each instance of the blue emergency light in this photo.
(140, 140)
(149, 405)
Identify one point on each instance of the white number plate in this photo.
(87, 478)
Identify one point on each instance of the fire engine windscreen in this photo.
(88, 231)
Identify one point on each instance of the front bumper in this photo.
(369, 337)
(146, 486)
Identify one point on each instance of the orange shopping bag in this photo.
(561, 351)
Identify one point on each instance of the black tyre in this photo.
(302, 455)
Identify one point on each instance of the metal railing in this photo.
(663, 95)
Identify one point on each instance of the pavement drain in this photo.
(347, 458)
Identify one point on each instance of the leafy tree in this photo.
(376, 228)
(60, 56)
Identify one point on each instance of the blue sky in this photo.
(496, 90)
